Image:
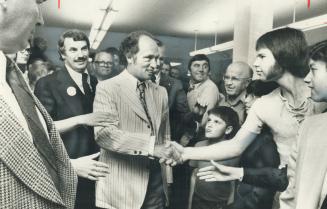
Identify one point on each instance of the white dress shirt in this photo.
(7, 94)
(77, 77)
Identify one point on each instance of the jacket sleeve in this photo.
(43, 92)
(112, 137)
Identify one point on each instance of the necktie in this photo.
(86, 86)
(40, 139)
(141, 89)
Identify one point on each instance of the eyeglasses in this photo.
(27, 51)
(104, 64)
(234, 79)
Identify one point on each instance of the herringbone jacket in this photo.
(24, 181)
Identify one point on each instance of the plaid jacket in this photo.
(24, 181)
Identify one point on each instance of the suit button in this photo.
(149, 126)
(140, 152)
(135, 152)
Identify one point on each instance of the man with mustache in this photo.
(68, 96)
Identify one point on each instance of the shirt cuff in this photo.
(241, 175)
(151, 145)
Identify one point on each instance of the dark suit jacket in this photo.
(56, 92)
(63, 99)
(177, 101)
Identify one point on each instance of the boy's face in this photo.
(215, 127)
(317, 80)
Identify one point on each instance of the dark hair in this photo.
(198, 57)
(130, 45)
(259, 88)
(76, 35)
(229, 116)
(318, 52)
(289, 48)
(113, 51)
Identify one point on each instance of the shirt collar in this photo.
(76, 76)
(196, 85)
(3, 66)
(307, 94)
(239, 99)
(131, 79)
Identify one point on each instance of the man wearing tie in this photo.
(35, 171)
(137, 132)
(68, 97)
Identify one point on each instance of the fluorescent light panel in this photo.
(311, 23)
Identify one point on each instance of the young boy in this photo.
(222, 124)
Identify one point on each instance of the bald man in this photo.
(237, 77)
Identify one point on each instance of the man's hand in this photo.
(175, 154)
(218, 172)
(89, 168)
(95, 119)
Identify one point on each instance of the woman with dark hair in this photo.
(280, 57)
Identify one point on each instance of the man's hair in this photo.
(260, 88)
(102, 51)
(76, 35)
(229, 116)
(198, 57)
(112, 51)
(318, 52)
(130, 45)
(289, 48)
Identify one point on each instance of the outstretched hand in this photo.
(174, 156)
(218, 172)
(89, 168)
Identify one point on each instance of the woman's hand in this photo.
(218, 172)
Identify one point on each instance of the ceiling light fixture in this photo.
(213, 49)
(103, 19)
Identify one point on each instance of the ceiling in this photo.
(179, 18)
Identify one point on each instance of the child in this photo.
(222, 124)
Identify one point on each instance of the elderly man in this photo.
(137, 132)
(237, 77)
(202, 94)
(68, 96)
(104, 65)
(35, 171)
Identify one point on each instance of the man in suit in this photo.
(35, 171)
(137, 132)
(68, 97)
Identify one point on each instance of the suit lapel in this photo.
(152, 105)
(19, 154)
(129, 94)
(70, 92)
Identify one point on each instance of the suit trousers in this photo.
(155, 196)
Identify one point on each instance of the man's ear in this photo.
(228, 130)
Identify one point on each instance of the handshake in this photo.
(170, 153)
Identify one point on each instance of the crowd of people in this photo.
(122, 129)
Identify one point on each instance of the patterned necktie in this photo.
(86, 86)
(141, 88)
(28, 107)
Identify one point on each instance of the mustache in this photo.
(80, 59)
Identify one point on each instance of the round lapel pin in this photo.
(71, 91)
